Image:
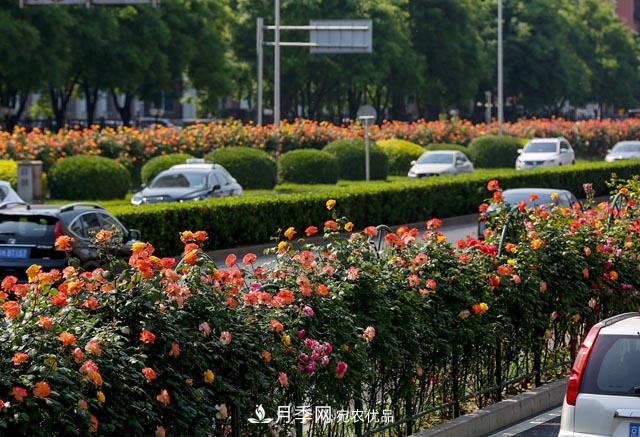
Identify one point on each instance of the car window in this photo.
(218, 179)
(627, 147)
(564, 146)
(540, 147)
(26, 229)
(109, 223)
(436, 158)
(180, 180)
(3, 194)
(613, 366)
(90, 224)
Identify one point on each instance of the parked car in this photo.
(8, 195)
(624, 150)
(603, 393)
(545, 152)
(28, 234)
(442, 162)
(513, 197)
(192, 181)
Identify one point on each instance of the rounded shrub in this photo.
(251, 167)
(87, 177)
(308, 166)
(351, 159)
(9, 171)
(161, 163)
(493, 151)
(400, 154)
(444, 146)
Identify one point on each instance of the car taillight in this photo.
(577, 371)
(57, 231)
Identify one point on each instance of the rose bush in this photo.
(366, 319)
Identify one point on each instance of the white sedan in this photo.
(440, 163)
(545, 152)
(624, 150)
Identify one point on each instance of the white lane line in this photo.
(528, 424)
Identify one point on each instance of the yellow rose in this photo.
(348, 227)
(330, 204)
(100, 396)
(209, 376)
(286, 339)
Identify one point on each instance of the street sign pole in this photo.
(260, 52)
(367, 114)
(276, 68)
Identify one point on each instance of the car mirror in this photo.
(608, 150)
(459, 162)
(520, 150)
(563, 151)
(134, 234)
(413, 162)
(143, 186)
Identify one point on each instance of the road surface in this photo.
(454, 228)
(544, 425)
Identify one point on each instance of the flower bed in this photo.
(253, 220)
(133, 147)
(193, 349)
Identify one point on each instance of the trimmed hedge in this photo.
(350, 154)
(252, 220)
(86, 177)
(400, 154)
(494, 151)
(161, 163)
(308, 166)
(252, 168)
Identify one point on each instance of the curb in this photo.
(503, 414)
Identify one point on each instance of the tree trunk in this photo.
(91, 99)
(59, 101)
(123, 110)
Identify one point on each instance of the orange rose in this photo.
(19, 358)
(64, 243)
(67, 338)
(149, 373)
(41, 390)
(103, 235)
(290, 233)
(276, 325)
(147, 336)
(11, 309)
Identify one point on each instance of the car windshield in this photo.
(541, 147)
(627, 147)
(613, 366)
(513, 198)
(25, 229)
(180, 180)
(436, 158)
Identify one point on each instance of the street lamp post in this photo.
(500, 72)
(276, 68)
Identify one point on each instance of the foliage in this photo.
(189, 348)
(9, 171)
(351, 159)
(494, 151)
(308, 166)
(400, 154)
(252, 220)
(160, 163)
(252, 168)
(88, 178)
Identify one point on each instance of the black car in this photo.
(515, 196)
(28, 234)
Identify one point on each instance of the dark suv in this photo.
(28, 234)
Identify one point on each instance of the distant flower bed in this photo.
(188, 348)
(133, 147)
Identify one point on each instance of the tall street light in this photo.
(276, 68)
(500, 76)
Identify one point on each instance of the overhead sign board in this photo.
(341, 36)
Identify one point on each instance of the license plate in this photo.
(634, 430)
(14, 252)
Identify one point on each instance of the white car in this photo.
(624, 150)
(603, 394)
(8, 195)
(440, 163)
(545, 152)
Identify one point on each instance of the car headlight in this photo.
(412, 174)
(137, 199)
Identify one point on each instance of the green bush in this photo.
(252, 168)
(442, 146)
(161, 163)
(400, 154)
(351, 159)
(252, 220)
(87, 177)
(493, 151)
(308, 166)
(9, 171)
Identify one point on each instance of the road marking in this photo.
(529, 424)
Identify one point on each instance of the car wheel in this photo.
(573, 162)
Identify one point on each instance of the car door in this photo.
(217, 179)
(463, 165)
(566, 153)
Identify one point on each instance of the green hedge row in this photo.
(251, 220)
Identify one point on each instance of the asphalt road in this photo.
(454, 228)
(544, 425)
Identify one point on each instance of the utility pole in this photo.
(276, 68)
(500, 73)
(259, 49)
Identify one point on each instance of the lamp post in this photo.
(276, 68)
(500, 72)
